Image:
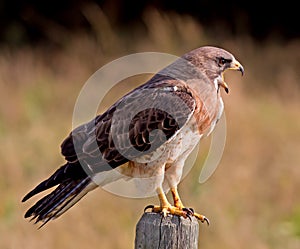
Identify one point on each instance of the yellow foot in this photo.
(201, 217)
(184, 212)
(165, 210)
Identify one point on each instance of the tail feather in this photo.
(57, 212)
(65, 172)
(49, 200)
(60, 200)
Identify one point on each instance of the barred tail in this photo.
(59, 200)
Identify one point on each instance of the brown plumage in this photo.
(182, 102)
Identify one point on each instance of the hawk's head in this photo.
(213, 62)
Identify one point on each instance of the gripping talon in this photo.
(202, 218)
(192, 210)
(206, 220)
(189, 211)
(189, 216)
(149, 206)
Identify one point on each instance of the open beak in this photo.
(235, 65)
(225, 86)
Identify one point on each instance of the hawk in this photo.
(146, 135)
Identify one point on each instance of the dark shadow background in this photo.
(30, 21)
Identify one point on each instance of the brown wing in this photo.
(136, 125)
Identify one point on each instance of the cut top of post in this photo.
(154, 231)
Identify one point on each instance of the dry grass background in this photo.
(252, 199)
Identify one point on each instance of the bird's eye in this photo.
(222, 61)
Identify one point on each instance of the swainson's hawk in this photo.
(147, 134)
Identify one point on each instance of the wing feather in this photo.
(137, 124)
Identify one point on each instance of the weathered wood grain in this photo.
(154, 231)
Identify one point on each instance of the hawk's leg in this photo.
(178, 204)
(166, 208)
(176, 198)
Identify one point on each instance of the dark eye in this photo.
(222, 61)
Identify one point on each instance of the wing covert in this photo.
(137, 124)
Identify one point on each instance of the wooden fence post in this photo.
(154, 231)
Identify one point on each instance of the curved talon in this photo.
(192, 210)
(189, 211)
(189, 216)
(149, 206)
(206, 220)
(202, 218)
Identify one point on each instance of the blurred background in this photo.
(48, 49)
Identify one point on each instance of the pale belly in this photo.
(148, 172)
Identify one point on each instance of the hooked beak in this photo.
(235, 65)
